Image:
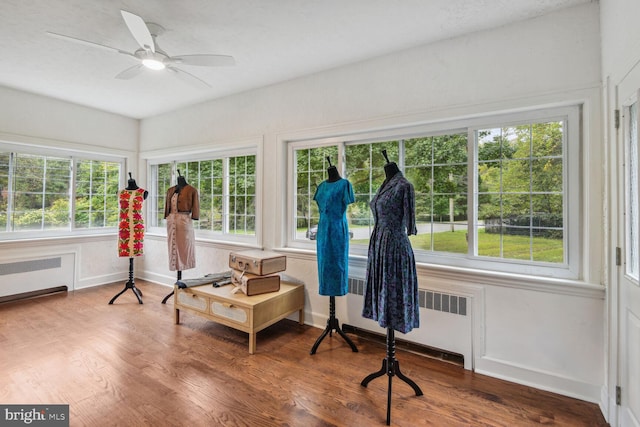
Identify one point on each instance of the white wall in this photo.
(57, 123)
(36, 120)
(531, 332)
(620, 37)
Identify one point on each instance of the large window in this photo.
(56, 193)
(499, 192)
(226, 189)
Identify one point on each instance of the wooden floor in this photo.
(127, 364)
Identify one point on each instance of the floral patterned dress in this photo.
(131, 226)
(391, 294)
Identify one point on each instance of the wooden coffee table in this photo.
(249, 314)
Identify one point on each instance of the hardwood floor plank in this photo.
(128, 364)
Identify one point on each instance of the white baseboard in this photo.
(547, 381)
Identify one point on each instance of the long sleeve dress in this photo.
(332, 238)
(391, 294)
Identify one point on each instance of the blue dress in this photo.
(332, 238)
(391, 294)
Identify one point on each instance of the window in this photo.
(311, 170)
(96, 188)
(226, 189)
(520, 209)
(365, 171)
(436, 166)
(40, 192)
(241, 178)
(498, 192)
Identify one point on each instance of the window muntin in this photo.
(364, 164)
(96, 193)
(161, 180)
(437, 168)
(40, 188)
(310, 170)
(226, 189)
(207, 176)
(520, 192)
(514, 169)
(241, 176)
(56, 194)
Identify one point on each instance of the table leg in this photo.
(301, 316)
(177, 316)
(252, 342)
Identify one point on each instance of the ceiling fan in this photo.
(149, 55)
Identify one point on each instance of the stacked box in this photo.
(253, 271)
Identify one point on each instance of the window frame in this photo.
(572, 189)
(224, 152)
(74, 155)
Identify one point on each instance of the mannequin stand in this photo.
(129, 285)
(333, 324)
(164, 301)
(391, 367)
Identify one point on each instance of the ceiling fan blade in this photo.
(139, 30)
(188, 77)
(205, 60)
(130, 72)
(88, 43)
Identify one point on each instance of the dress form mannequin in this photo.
(130, 199)
(390, 168)
(182, 182)
(334, 175)
(333, 324)
(393, 209)
(180, 231)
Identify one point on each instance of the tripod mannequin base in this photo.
(391, 367)
(179, 277)
(333, 325)
(129, 285)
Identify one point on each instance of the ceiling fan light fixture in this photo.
(153, 64)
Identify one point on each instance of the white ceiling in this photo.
(272, 41)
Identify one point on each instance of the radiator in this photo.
(445, 320)
(35, 276)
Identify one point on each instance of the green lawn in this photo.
(513, 247)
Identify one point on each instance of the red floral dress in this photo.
(131, 226)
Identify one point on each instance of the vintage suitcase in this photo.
(258, 262)
(252, 284)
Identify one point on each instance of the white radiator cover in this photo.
(19, 276)
(445, 319)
